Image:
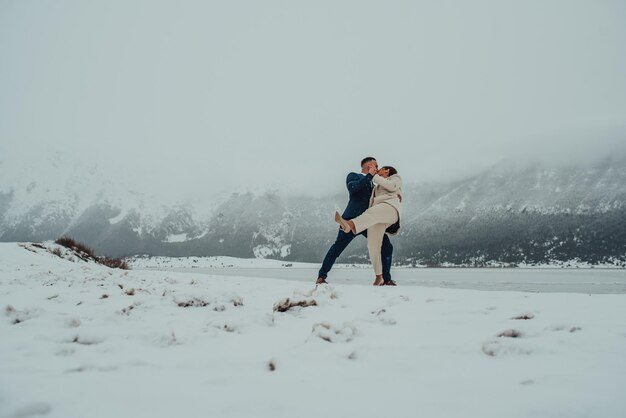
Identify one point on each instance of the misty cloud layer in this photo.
(214, 96)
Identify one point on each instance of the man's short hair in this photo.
(367, 160)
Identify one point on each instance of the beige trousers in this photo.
(376, 220)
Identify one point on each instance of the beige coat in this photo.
(387, 190)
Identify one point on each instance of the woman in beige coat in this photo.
(384, 211)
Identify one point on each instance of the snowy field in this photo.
(81, 340)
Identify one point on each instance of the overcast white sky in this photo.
(291, 94)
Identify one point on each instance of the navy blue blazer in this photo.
(360, 190)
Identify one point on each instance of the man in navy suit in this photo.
(360, 189)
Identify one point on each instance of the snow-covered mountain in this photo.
(531, 213)
(54, 195)
(530, 189)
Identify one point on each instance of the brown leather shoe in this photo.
(390, 283)
(379, 281)
(321, 280)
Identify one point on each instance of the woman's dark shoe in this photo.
(321, 280)
(390, 283)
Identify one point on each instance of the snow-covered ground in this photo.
(81, 340)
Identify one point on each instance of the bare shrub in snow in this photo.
(192, 302)
(114, 263)
(80, 249)
(202, 301)
(524, 316)
(286, 304)
(85, 340)
(86, 254)
(315, 297)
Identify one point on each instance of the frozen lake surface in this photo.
(597, 281)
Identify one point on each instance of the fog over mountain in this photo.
(206, 127)
(204, 97)
(511, 213)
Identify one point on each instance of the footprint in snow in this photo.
(334, 334)
(89, 367)
(506, 344)
(31, 410)
(383, 317)
(82, 340)
(322, 291)
(167, 340)
(65, 352)
(17, 316)
(229, 327)
(510, 333)
(568, 328)
(398, 300)
(73, 322)
(498, 348)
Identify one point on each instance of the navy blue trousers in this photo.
(342, 242)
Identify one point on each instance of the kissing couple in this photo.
(374, 210)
